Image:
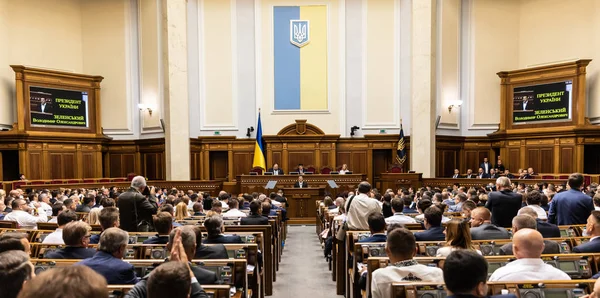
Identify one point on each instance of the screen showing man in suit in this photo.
(545, 102)
(54, 107)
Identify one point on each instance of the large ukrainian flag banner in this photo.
(300, 53)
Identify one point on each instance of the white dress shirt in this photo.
(596, 208)
(54, 237)
(541, 213)
(381, 284)
(446, 250)
(343, 172)
(359, 211)
(528, 270)
(26, 220)
(234, 213)
(47, 208)
(399, 218)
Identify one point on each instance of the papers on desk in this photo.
(250, 268)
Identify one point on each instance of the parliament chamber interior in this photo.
(331, 148)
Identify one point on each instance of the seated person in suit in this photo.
(377, 227)
(528, 245)
(300, 169)
(176, 279)
(77, 237)
(433, 226)
(344, 170)
(531, 172)
(57, 208)
(71, 281)
(592, 229)
(109, 218)
(300, 183)
(63, 218)
(246, 203)
(508, 174)
(255, 217)
(401, 249)
(108, 261)
(217, 207)
(14, 241)
(198, 209)
(467, 207)
(458, 236)
(217, 251)
(527, 222)
(188, 239)
(470, 174)
(233, 211)
(482, 175)
(459, 200)
(494, 174)
(214, 228)
(276, 170)
(547, 229)
(456, 174)
(15, 270)
(465, 275)
(482, 227)
(163, 224)
(407, 200)
(398, 217)
(88, 202)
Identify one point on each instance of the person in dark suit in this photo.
(494, 174)
(300, 169)
(592, 229)
(485, 165)
(198, 209)
(483, 229)
(527, 222)
(255, 217)
(188, 239)
(547, 229)
(504, 204)
(214, 228)
(465, 275)
(109, 218)
(276, 170)
(163, 224)
(377, 227)
(170, 279)
(300, 183)
(146, 207)
(108, 260)
(482, 175)
(408, 201)
(216, 251)
(526, 105)
(508, 174)
(571, 207)
(76, 235)
(470, 174)
(433, 225)
(88, 202)
(456, 174)
(206, 201)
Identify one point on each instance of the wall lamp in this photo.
(454, 104)
(353, 129)
(143, 107)
(249, 130)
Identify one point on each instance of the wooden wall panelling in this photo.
(532, 158)
(471, 157)
(34, 163)
(305, 157)
(219, 165)
(567, 159)
(512, 162)
(88, 158)
(546, 161)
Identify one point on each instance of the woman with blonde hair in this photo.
(181, 211)
(94, 216)
(458, 236)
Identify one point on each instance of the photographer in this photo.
(136, 206)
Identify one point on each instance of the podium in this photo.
(302, 204)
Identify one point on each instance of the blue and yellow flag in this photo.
(401, 150)
(259, 156)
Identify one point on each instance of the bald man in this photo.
(528, 245)
(527, 222)
(482, 227)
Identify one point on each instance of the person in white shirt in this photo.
(401, 248)
(534, 199)
(359, 207)
(44, 201)
(22, 215)
(528, 245)
(597, 204)
(234, 212)
(63, 219)
(344, 169)
(398, 217)
(224, 199)
(422, 205)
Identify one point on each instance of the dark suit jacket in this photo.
(374, 238)
(211, 252)
(71, 252)
(589, 247)
(279, 171)
(528, 106)
(207, 203)
(83, 208)
(145, 209)
(433, 234)
(547, 230)
(304, 184)
(495, 176)
(510, 176)
(488, 231)
(482, 165)
(504, 205)
(140, 290)
(501, 168)
(223, 239)
(550, 247)
(483, 176)
(116, 271)
(471, 176)
(198, 214)
(157, 240)
(254, 219)
(457, 176)
(409, 210)
(204, 276)
(570, 207)
(95, 238)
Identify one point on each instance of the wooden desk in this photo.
(302, 202)
(252, 183)
(398, 180)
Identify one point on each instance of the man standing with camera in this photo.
(136, 206)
